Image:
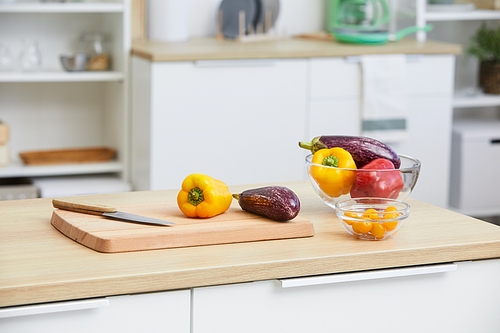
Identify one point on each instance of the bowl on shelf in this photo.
(74, 62)
(336, 184)
(372, 218)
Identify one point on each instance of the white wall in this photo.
(295, 17)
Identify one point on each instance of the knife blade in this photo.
(106, 211)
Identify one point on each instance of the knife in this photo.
(106, 211)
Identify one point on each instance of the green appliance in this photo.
(363, 22)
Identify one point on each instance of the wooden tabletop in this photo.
(215, 49)
(39, 264)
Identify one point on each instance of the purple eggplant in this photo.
(278, 203)
(362, 149)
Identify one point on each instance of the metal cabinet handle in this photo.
(369, 275)
(27, 310)
(409, 58)
(235, 63)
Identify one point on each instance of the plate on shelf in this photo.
(272, 7)
(230, 10)
(458, 7)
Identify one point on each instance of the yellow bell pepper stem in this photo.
(331, 178)
(203, 196)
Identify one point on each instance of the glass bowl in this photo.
(372, 218)
(327, 181)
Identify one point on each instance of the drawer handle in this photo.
(235, 63)
(27, 310)
(495, 141)
(369, 275)
(409, 58)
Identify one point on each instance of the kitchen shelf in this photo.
(17, 169)
(420, 10)
(54, 106)
(478, 14)
(60, 76)
(480, 100)
(110, 7)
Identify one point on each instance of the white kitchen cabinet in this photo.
(335, 109)
(461, 297)
(154, 312)
(239, 120)
(50, 108)
(236, 120)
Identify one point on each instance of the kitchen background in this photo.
(44, 107)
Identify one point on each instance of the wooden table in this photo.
(214, 49)
(39, 264)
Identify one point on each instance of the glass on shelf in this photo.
(6, 59)
(96, 45)
(30, 58)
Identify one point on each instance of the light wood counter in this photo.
(214, 49)
(39, 264)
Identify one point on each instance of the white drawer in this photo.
(341, 77)
(155, 312)
(435, 298)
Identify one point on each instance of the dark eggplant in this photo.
(362, 149)
(278, 203)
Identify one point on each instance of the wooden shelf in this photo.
(103, 7)
(480, 100)
(17, 169)
(60, 76)
(478, 14)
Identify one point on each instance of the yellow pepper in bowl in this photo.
(330, 178)
(203, 196)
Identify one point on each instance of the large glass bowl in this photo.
(333, 177)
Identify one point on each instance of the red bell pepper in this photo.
(380, 184)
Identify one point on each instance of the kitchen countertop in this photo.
(215, 49)
(39, 264)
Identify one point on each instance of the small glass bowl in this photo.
(371, 218)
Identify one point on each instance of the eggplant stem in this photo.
(306, 145)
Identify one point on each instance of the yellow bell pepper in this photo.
(203, 196)
(332, 179)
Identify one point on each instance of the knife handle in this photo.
(82, 207)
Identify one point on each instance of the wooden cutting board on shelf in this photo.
(234, 226)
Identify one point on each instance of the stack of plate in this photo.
(255, 20)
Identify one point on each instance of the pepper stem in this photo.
(195, 196)
(331, 161)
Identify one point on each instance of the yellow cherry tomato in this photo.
(391, 215)
(364, 227)
(390, 225)
(371, 214)
(349, 222)
(350, 214)
(378, 230)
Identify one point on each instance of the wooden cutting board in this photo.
(234, 226)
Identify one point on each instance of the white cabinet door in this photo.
(429, 140)
(334, 117)
(460, 301)
(155, 312)
(237, 120)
